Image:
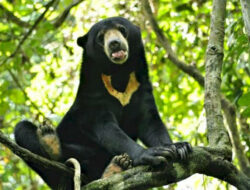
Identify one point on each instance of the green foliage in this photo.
(244, 101)
(42, 78)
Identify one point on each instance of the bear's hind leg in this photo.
(27, 136)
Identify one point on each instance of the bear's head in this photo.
(113, 41)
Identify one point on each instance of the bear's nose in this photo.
(115, 45)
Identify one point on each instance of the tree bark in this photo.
(217, 134)
(245, 5)
(230, 115)
(203, 160)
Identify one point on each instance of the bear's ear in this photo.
(81, 41)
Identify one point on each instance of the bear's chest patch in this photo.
(123, 97)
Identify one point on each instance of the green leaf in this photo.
(17, 96)
(244, 99)
(246, 112)
(4, 106)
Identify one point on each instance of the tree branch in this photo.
(31, 157)
(38, 20)
(245, 6)
(59, 21)
(13, 18)
(15, 79)
(194, 72)
(230, 115)
(189, 69)
(57, 24)
(217, 134)
(208, 161)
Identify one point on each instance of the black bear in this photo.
(114, 107)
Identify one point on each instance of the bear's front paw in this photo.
(154, 156)
(180, 150)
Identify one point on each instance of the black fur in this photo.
(97, 127)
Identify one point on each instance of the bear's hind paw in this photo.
(118, 164)
(49, 141)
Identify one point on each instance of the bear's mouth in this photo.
(119, 56)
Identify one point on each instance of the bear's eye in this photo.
(123, 30)
(100, 37)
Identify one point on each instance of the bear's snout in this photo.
(116, 46)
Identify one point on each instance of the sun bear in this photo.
(114, 107)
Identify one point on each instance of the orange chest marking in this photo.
(123, 97)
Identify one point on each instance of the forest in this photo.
(198, 55)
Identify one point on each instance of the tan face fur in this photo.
(121, 55)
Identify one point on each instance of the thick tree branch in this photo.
(31, 157)
(208, 161)
(217, 134)
(192, 71)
